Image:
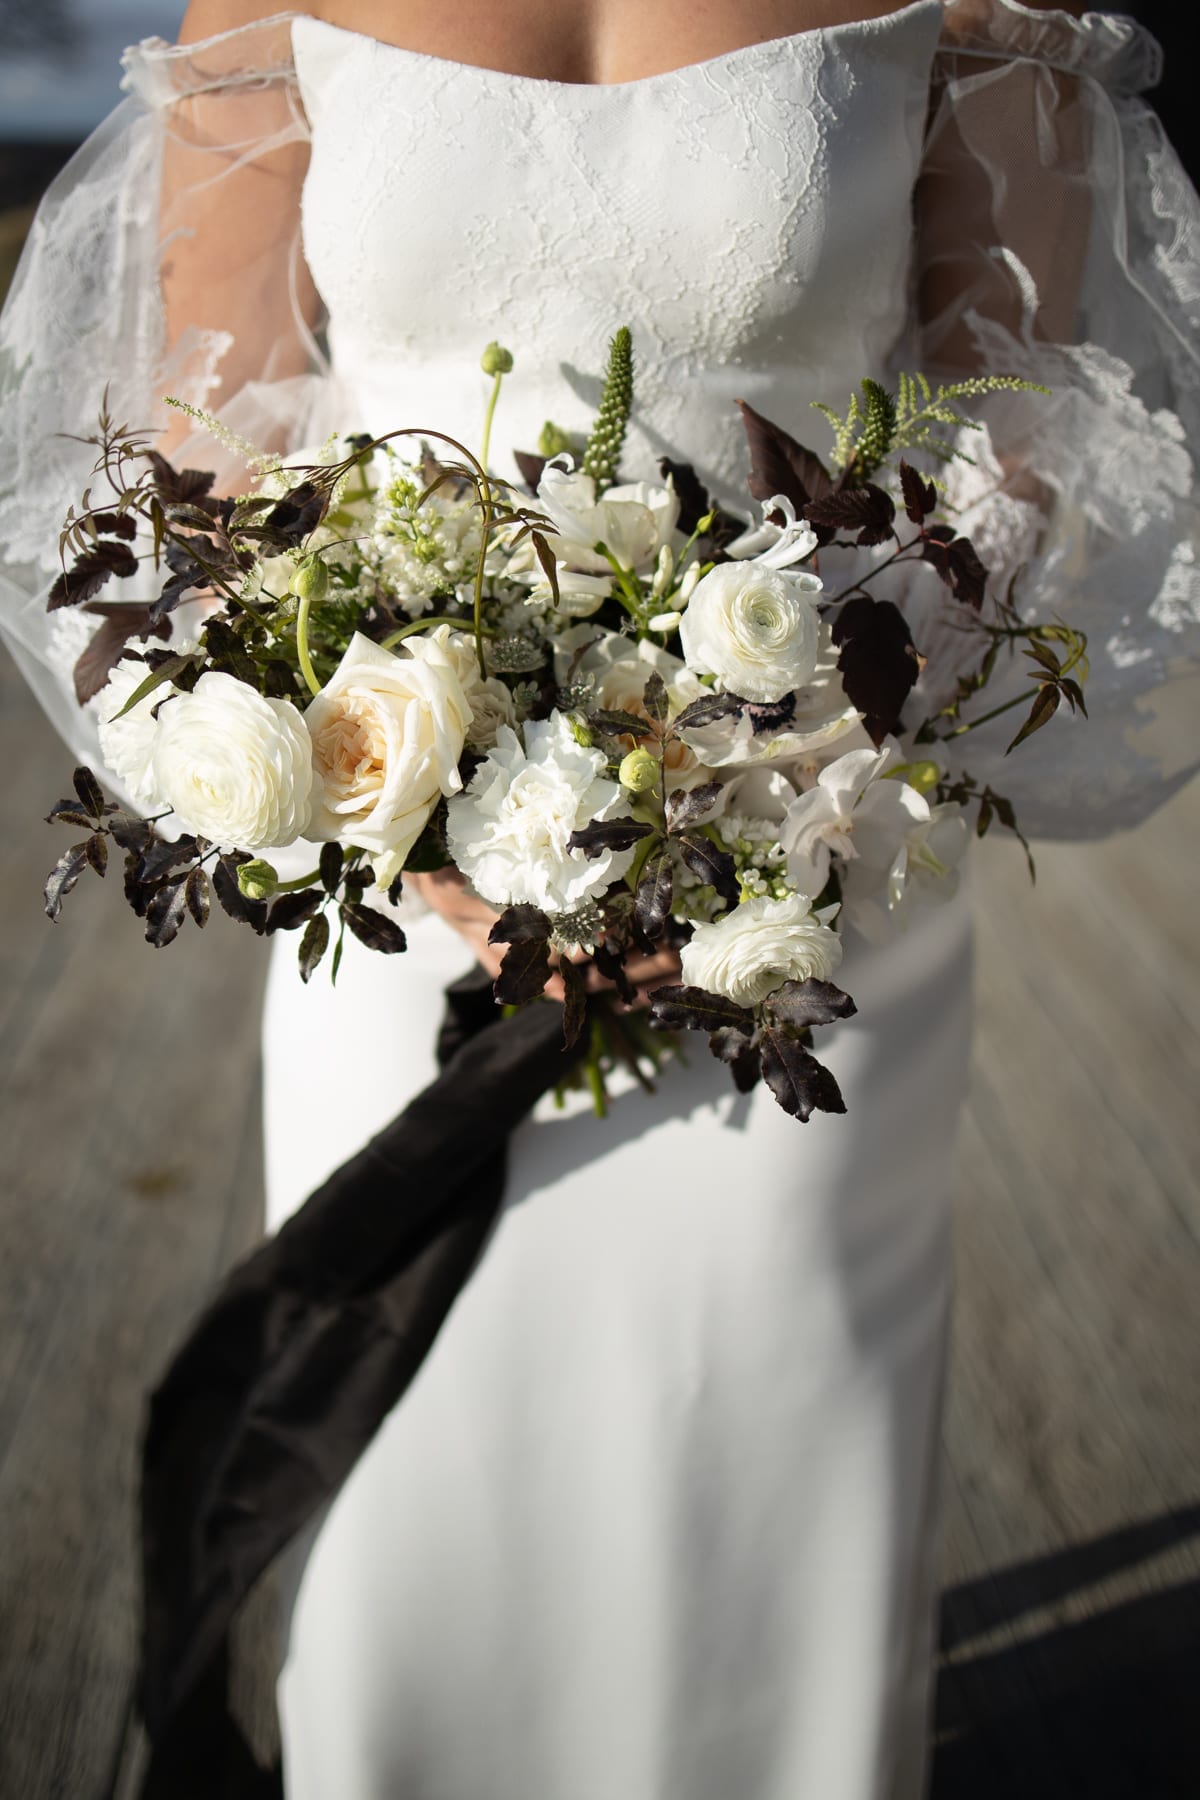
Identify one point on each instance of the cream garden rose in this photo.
(755, 628)
(387, 732)
(755, 948)
(234, 766)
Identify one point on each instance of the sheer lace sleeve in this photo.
(165, 259)
(1058, 240)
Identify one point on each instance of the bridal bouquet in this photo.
(628, 717)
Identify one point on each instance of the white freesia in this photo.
(387, 733)
(579, 596)
(755, 628)
(634, 519)
(773, 545)
(849, 812)
(127, 745)
(756, 947)
(508, 831)
(233, 765)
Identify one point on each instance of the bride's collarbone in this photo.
(597, 43)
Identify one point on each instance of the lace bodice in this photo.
(748, 217)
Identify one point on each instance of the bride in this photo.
(657, 1519)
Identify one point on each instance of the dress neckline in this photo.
(726, 58)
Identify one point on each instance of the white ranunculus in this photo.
(508, 831)
(234, 766)
(387, 733)
(755, 628)
(755, 948)
(634, 519)
(127, 745)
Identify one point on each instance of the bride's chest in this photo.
(452, 204)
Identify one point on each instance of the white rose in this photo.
(127, 745)
(508, 832)
(234, 766)
(634, 519)
(755, 628)
(755, 948)
(387, 733)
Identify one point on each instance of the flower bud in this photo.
(309, 579)
(668, 621)
(552, 440)
(638, 772)
(496, 360)
(663, 571)
(691, 577)
(582, 733)
(257, 879)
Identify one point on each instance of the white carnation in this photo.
(759, 945)
(234, 766)
(127, 744)
(755, 628)
(387, 734)
(508, 831)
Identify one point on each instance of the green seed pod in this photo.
(257, 880)
(552, 440)
(309, 579)
(638, 772)
(496, 360)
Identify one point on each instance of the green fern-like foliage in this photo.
(603, 449)
(916, 417)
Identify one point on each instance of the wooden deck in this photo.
(1072, 1614)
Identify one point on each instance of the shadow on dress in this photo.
(1100, 1709)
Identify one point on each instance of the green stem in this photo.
(301, 881)
(306, 668)
(1007, 706)
(487, 419)
(486, 506)
(397, 637)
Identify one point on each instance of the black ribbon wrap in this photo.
(293, 1366)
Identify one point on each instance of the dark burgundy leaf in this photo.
(290, 910)
(300, 511)
(228, 652)
(89, 572)
(687, 806)
(608, 834)
(69, 812)
(611, 963)
(531, 466)
(62, 878)
(165, 913)
(866, 509)
(234, 902)
(780, 465)
(798, 1081)
(313, 945)
(920, 496)
(375, 929)
(199, 899)
(115, 524)
(739, 1049)
(878, 661)
(575, 1002)
(520, 925)
(1044, 707)
(1043, 654)
(654, 697)
(811, 1002)
(958, 564)
(693, 495)
(177, 487)
(547, 560)
(770, 716)
(685, 1008)
(652, 906)
(160, 856)
(619, 724)
(91, 795)
(97, 852)
(712, 865)
(107, 646)
(524, 971)
(707, 710)
(1074, 693)
(331, 860)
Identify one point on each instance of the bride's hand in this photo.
(445, 891)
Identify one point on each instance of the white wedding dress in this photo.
(657, 1519)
